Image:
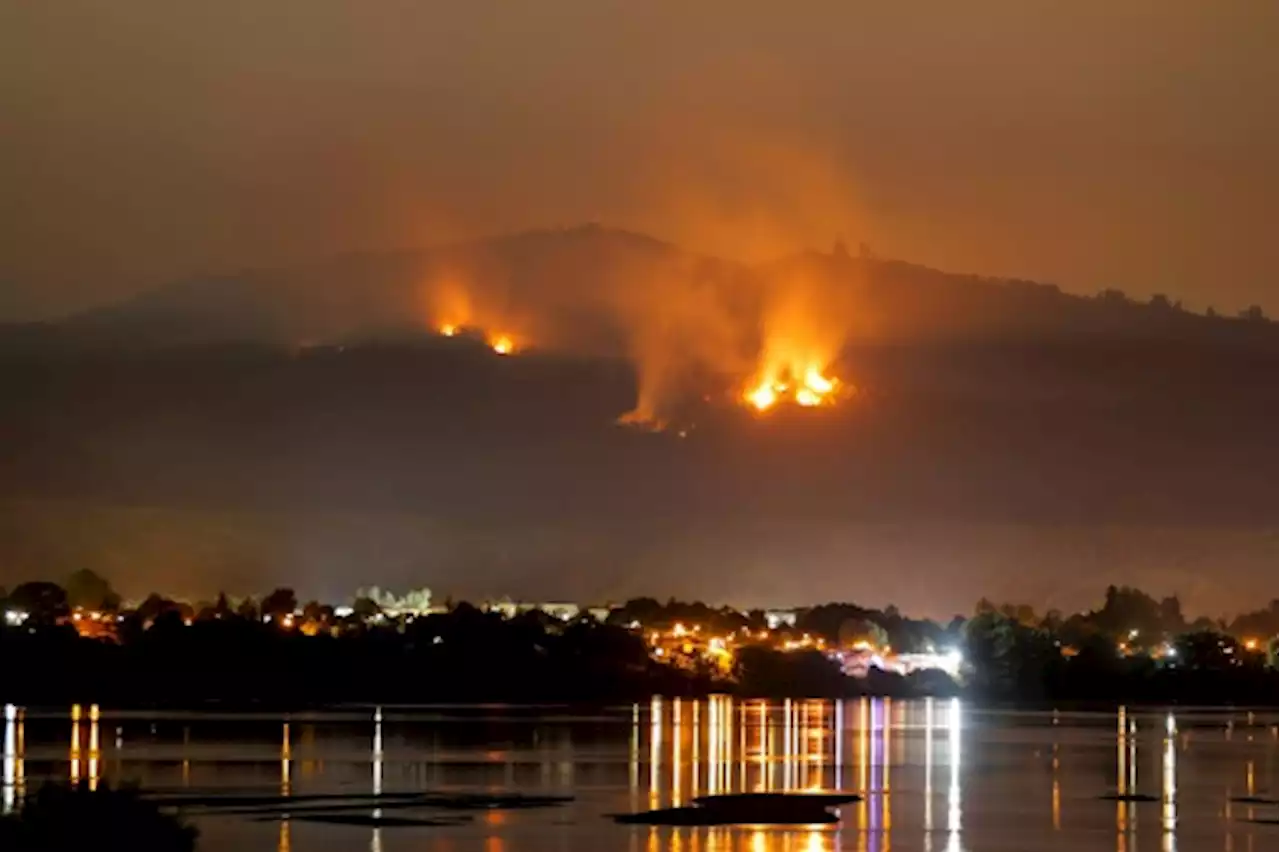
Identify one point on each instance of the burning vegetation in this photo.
(809, 390)
(770, 343)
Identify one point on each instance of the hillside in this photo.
(994, 423)
(580, 290)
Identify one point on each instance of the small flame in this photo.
(502, 344)
(808, 398)
(448, 329)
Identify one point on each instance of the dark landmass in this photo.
(279, 654)
(63, 817)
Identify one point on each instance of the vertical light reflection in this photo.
(1122, 775)
(286, 758)
(9, 794)
(94, 752)
(727, 716)
(763, 754)
(1126, 778)
(928, 768)
(864, 766)
(186, 761)
(877, 742)
(887, 751)
(1169, 784)
(818, 748)
(786, 744)
(953, 791)
(633, 762)
(713, 746)
(695, 749)
(1057, 784)
(864, 729)
(1057, 792)
(1132, 742)
(676, 734)
(837, 747)
(655, 752)
(20, 772)
(74, 757)
(375, 841)
(284, 839)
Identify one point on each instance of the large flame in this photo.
(810, 390)
(799, 342)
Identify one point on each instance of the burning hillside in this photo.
(808, 389)
(688, 326)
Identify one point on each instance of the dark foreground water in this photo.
(937, 775)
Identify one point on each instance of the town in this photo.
(997, 650)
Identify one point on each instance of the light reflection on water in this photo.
(934, 775)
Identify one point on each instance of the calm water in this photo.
(937, 775)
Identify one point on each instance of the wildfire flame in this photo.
(502, 344)
(813, 389)
(448, 329)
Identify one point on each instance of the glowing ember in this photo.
(502, 344)
(448, 329)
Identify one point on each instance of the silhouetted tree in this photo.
(855, 630)
(247, 610)
(1207, 650)
(155, 606)
(87, 590)
(43, 602)
(365, 608)
(279, 603)
(1172, 621)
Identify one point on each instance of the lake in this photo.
(937, 775)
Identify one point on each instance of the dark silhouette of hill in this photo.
(539, 281)
(573, 289)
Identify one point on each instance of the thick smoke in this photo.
(680, 319)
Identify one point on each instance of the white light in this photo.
(342, 611)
